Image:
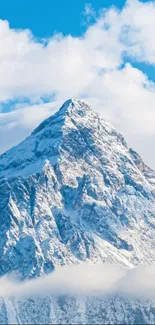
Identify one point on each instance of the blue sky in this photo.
(108, 60)
(44, 17)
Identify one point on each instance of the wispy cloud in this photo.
(86, 279)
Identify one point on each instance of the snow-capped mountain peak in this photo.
(45, 141)
(73, 191)
(72, 108)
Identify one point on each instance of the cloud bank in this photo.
(86, 279)
(99, 67)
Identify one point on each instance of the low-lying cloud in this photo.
(86, 280)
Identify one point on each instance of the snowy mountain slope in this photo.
(73, 310)
(73, 191)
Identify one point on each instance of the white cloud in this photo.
(139, 17)
(16, 125)
(89, 13)
(87, 67)
(86, 279)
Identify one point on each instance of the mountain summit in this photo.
(73, 191)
